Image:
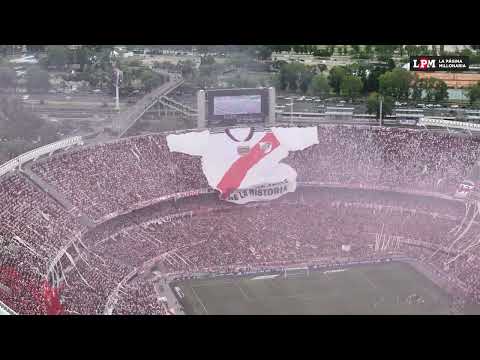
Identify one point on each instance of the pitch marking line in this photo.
(243, 292)
(372, 284)
(199, 300)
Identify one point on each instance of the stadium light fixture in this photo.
(381, 106)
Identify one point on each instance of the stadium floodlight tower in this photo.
(118, 80)
(118, 75)
(232, 107)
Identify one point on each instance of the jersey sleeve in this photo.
(296, 138)
(193, 143)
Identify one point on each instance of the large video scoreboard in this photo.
(230, 107)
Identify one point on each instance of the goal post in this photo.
(296, 272)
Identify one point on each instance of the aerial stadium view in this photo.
(239, 180)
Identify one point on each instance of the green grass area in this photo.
(367, 289)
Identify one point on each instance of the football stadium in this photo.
(251, 219)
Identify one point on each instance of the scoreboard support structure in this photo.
(271, 106)
(207, 116)
(201, 109)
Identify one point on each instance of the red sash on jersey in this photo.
(237, 172)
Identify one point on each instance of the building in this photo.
(453, 80)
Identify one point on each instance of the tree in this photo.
(319, 86)
(37, 80)
(390, 64)
(373, 105)
(473, 93)
(427, 86)
(440, 90)
(264, 52)
(476, 104)
(321, 67)
(417, 89)
(411, 50)
(385, 51)
(466, 52)
(395, 83)
(371, 83)
(82, 56)
(35, 48)
(241, 81)
(305, 78)
(293, 75)
(475, 59)
(296, 48)
(337, 73)
(280, 48)
(322, 52)
(434, 89)
(21, 129)
(187, 68)
(8, 78)
(99, 48)
(207, 60)
(57, 56)
(351, 86)
(150, 80)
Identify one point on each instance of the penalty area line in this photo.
(199, 300)
(243, 292)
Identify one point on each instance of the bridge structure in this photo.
(156, 100)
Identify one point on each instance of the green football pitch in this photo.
(389, 288)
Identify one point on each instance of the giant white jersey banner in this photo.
(245, 165)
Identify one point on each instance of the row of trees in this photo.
(36, 79)
(21, 129)
(96, 66)
(348, 81)
(353, 81)
(474, 95)
(380, 52)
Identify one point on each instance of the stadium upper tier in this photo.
(112, 178)
(106, 180)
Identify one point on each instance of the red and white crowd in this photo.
(211, 235)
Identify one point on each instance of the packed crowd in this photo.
(105, 181)
(33, 228)
(389, 157)
(140, 298)
(281, 233)
(111, 178)
(114, 177)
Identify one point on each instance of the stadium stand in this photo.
(121, 185)
(99, 179)
(108, 179)
(33, 228)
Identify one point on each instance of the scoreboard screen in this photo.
(227, 107)
(237, 105)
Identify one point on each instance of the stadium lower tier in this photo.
(114, 267)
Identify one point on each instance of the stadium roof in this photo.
(5, 310)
